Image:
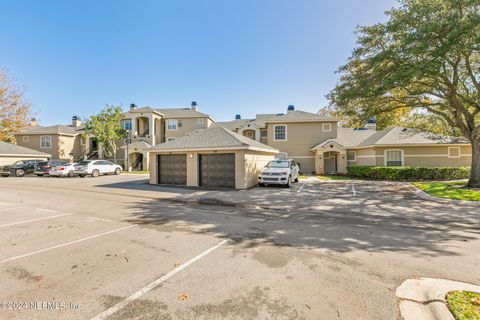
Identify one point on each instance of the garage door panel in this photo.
(172, 169)
(217, 170)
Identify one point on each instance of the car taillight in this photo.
(61, 168)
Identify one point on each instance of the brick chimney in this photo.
(33, 122)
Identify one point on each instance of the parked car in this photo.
(43, 167)
(96, 167)
(19, 168)
(63, 170)
(282, 172)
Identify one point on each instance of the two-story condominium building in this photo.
(148, 126)
(319, 145)
(63, 142)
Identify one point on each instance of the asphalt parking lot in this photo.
(112, 248)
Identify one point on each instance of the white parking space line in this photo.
(353, 191)
(65, 244)
(12, 208)
(33, 220)
(154, 284)
(45, 210)
(4, 204)
(301, 188)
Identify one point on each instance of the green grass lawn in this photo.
(333, 177)
(464, 305)
(449, 190)
(139, 172)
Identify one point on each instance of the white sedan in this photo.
(63, 170)
(96, 168)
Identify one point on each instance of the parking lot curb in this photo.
(424, 298)
(425, 196)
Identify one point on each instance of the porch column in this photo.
(151, 130)
(319, 161)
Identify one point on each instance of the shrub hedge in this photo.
(408, 173)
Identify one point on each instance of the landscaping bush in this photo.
(408, 173)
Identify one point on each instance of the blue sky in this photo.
(243, 56)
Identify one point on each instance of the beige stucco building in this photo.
(215, 157)
(319, 145)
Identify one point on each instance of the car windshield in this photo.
(42, 163)
(84, 163)
(20, 162)
(278, 164)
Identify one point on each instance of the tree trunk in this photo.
(474, 181)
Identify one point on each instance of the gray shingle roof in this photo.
(13, 149)
(55, 129)
(233, 125)
(216, 137)
(349, 137)
(406, 136)
(182, 113)
(299, 115)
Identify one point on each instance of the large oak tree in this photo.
(426, 56)
(14, 110)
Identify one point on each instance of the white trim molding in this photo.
(402, 157)
(457, 156)
(274, 135)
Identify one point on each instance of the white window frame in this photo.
(455, 157)
(125, 122)
(402, 156)
(275, 136)
(324, 127)
(354, 155)
(200, 121)
(49, 142)
(168, 124)
(26, 139)
(83, 141)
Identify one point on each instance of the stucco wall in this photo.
(428, 156)
(254, 162)
(301, 137)
(34, 143)
(188, 125)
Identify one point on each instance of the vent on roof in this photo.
(291, 107)
(238, 117)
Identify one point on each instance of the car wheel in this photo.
(261, 184)
(95, 173)
(296, 179)
(19, 173)
(117, 171)
(289, 182)
(81, 175)
(39, 175)
(71, 173)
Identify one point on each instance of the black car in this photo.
(19, 168)
(43, 167)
